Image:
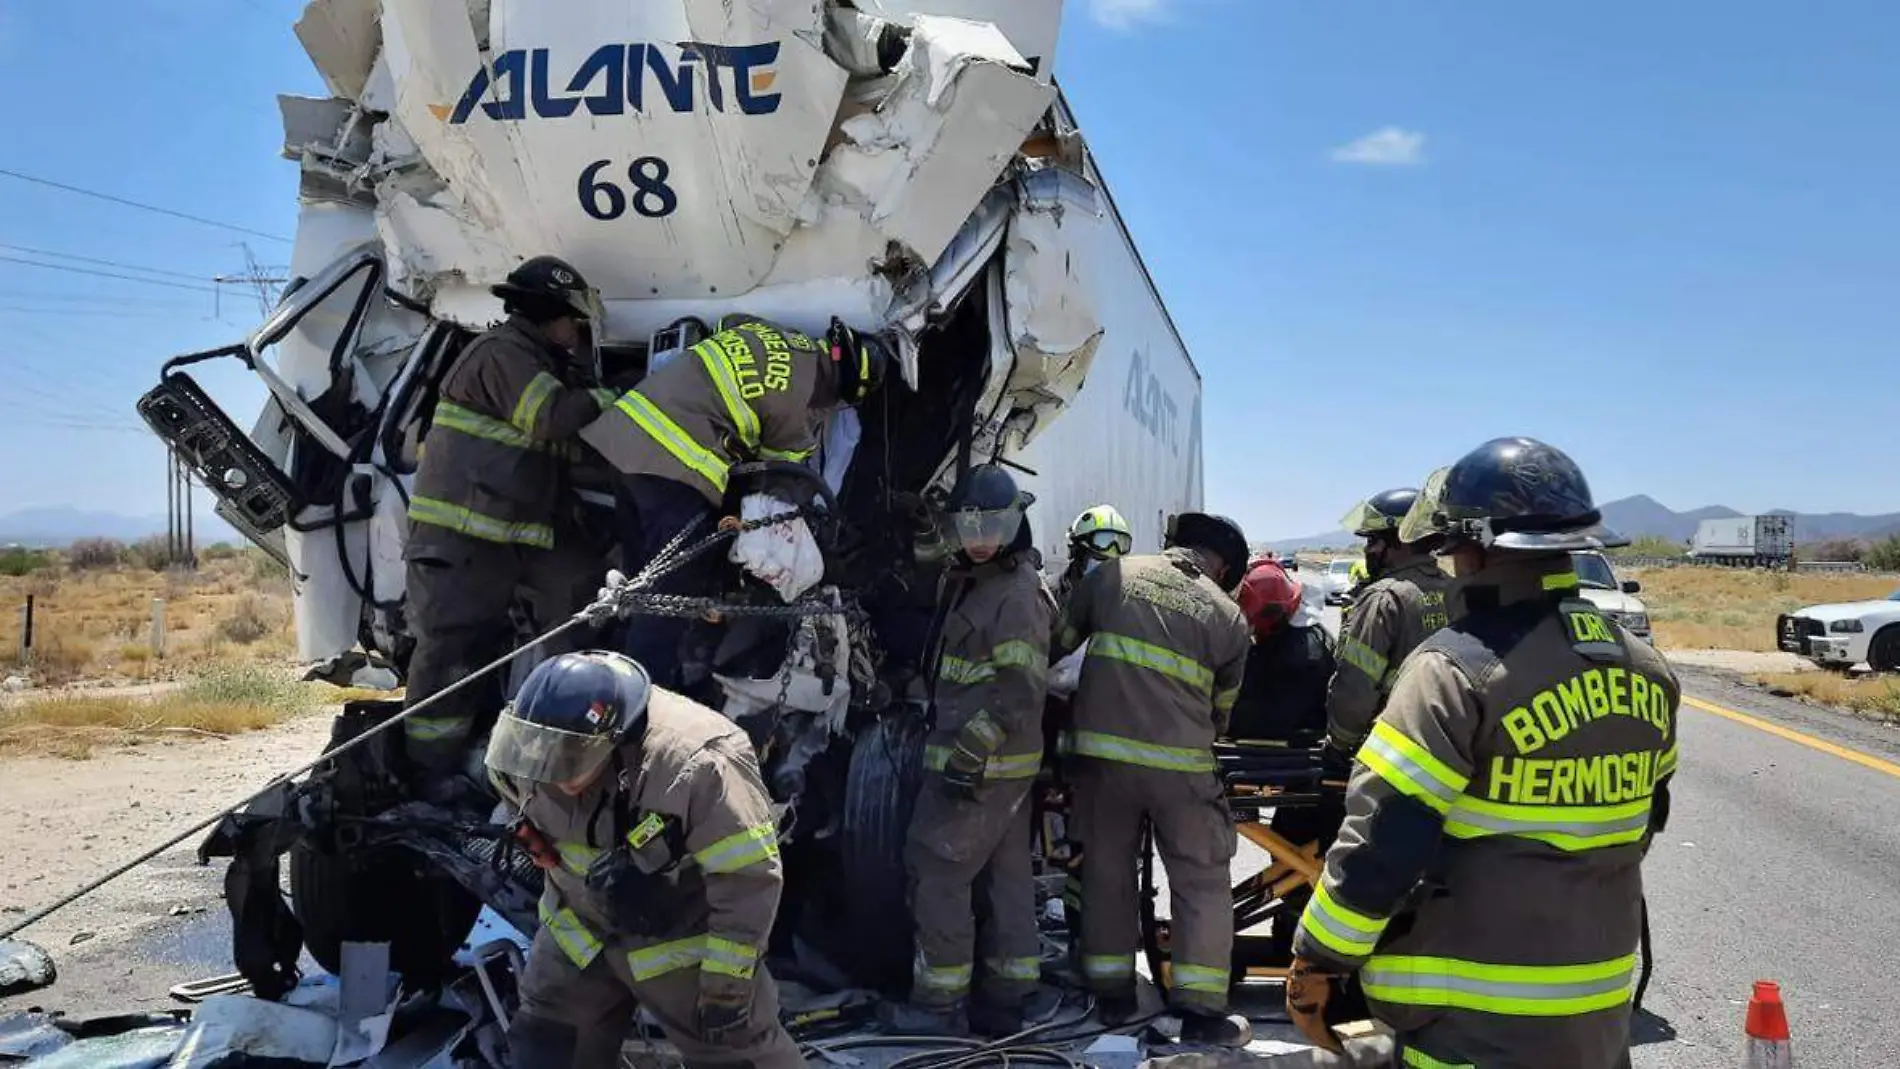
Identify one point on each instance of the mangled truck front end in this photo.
(903, 167)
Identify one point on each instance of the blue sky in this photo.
(1662, 236)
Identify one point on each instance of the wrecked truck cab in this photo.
(903, 170)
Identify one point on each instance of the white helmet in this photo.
(1101, 533)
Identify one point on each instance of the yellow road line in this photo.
(1842, 752)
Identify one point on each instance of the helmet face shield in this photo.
(587, 305)
(1106, 543)
(986, 529)
(1421, 520)
(1364, 520)
(539, 753)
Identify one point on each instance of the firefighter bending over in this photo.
(1487, 885)
(647, 813)
(970, 831)
(491, 517)
(1167, 649)
(1403, 602)
(754, 391)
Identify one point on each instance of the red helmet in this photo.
(1268, 596)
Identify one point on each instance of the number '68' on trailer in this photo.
(603, 198)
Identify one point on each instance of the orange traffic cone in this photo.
(1767, 1043)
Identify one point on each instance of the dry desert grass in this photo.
(222, 702)
(93, 621)
(1734, 609)
(1879, 695)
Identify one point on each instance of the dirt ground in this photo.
(63, 822)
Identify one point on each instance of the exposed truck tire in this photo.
(379, 895)
(880, 792)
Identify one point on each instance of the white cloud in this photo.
(1390, 147)
(1125, 14)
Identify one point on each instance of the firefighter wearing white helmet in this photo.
(1098, 534)
(1487, 885)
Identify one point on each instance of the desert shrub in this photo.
(90, 554)
(19, 560)
(250, 619)
(219, 551)
(153, 553)
(1884, 555)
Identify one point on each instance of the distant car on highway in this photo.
(1844, 635)
(1338, 580)
(1615, 599)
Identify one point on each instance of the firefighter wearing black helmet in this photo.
(754, 390)
(1402, 602)
(1486, 886)
(972, 884)
(646, 812)
(487, 517)
(1167, 647)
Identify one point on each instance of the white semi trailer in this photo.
(905, 165)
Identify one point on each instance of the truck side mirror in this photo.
(1631, 586)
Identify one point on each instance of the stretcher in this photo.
(1256, 777)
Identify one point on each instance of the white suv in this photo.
(1601, 588)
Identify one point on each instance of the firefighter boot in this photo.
(1210, 1029)
(915, 1019)
(995, 1018)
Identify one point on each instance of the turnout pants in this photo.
(598, 1002)
(1462, 1039)
(973, 894)
(460, 589)
(650, 511)
(1194, 834)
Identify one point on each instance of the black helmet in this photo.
(570, 714)
(548, 287)
(1510, 494)
(1216, 534)
(1380, 512)
(861, 359)
(987, 508)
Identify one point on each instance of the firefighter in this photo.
(970, 830)
(647, 814)
(490, 517)
(1403, 602)
(1167, 649)
(752, 391)
(1096, 535)
(1283, 699)
(1487, 886)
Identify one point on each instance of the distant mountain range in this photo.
(61, 526)
(1644, 516)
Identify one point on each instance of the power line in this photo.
(113, 299)
(106, 274)
(104, 263)
(87, 313)
(202, 221)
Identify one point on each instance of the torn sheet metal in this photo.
(1053, 323)
(1030, 25)
(227, 1025)
(342, 38)
(961, 108)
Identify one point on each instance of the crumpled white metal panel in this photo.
(663, 148)
(1030, 25)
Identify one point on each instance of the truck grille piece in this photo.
(227, 461)
(1795, 633)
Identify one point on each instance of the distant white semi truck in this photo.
(1744, 541)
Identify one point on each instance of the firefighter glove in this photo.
(722, 1014)
(969, 756)
(1308, 989)
(537, 847)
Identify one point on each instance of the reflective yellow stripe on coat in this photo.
(1506, 990)
(1175, 666)
(672, 438)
